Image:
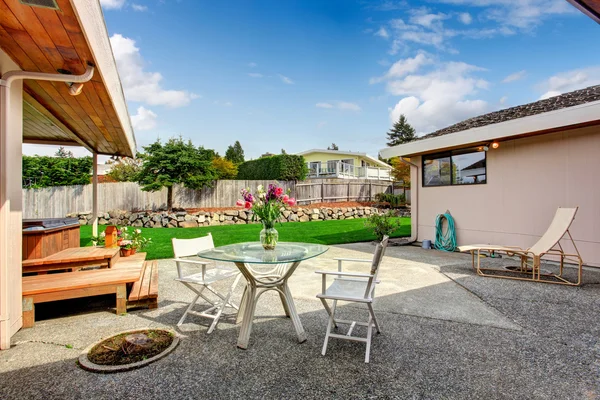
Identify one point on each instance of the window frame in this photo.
(449, 154)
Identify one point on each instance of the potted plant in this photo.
(267, 206)
(132, 241)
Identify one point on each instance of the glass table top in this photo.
(253, 252)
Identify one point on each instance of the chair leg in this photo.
(373, 316)
(369, 335)
(221, 307)
(328, 311)
(198, 295)
(329, 324)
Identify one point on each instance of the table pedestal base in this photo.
(255, 287)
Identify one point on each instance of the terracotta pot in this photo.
(127, 252)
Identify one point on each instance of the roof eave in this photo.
(91, 21)
(587, 9)
(571, 117)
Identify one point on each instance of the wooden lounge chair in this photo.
(530, 267)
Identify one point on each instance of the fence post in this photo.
(348, 190)
(370, 191)
(323, 191)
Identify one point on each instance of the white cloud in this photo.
(382, 32)
(285, 79)
(503, 100)
(252, 64)
(139, 7)
(324, 105)
(515, 77)
(144, 119)
(112, 4)
(569, 81)
(321, 124)
(465, 18)
(405, 66)
(340, 105)
(440, 96)
(426, 19)
(140, 85)
(523, 14)
(255, 75)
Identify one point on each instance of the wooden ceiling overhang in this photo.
(589, 7)
(69, 38)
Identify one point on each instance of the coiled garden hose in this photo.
(445, 241)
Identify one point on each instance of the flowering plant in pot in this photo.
(132, 241)
(267, 206)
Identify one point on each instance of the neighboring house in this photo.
(503, 175)
(344, 164)
(58, 85)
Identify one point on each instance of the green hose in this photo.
(445, 241)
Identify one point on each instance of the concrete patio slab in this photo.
(446, 334)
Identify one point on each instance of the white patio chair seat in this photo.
(352, 287)
(342, 288)
(212, 275)
(198, 282)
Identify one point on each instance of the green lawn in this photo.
(323, 232)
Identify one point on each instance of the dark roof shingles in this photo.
(565, 100)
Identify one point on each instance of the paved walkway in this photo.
(447, 334)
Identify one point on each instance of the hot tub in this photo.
(44, 237)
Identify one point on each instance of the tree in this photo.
(63, 153)
(174, 162)
(39, 172)
(401, 132)
(400, 171)
(235, 153)
(283, 151)
(333, 147)
(225, 168)
(124, 169)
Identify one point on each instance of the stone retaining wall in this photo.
(184, 219)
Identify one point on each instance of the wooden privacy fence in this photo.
(58, 201)
(339, 190)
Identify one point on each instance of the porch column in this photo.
(11, 199)
(95, 195)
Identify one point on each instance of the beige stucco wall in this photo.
(11, 211)
(527, 180)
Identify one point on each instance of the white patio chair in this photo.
(352, 287)
(200, 281)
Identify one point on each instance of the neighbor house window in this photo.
(463, 167)
(331, 166)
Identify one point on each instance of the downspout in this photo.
(5, 81)
(414, 203)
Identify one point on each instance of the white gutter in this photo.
(5, 82)
(414, 203)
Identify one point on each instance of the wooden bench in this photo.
(61, 286)
(144, 291)
(74, 259)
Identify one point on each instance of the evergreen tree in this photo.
(235, 153)
(63, 153)
(174, 162)
(333, 147)
(402, 132)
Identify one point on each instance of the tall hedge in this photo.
(283, 167)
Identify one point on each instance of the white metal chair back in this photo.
(560, 225)
(377, 257)
(191, 247)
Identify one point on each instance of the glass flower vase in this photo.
(269, 236)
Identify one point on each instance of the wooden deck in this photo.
(127, 274)
(73, 259)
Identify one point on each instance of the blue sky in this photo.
(296, 75)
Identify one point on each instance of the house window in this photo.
(314, 167)
(464, 167)
(331, 166)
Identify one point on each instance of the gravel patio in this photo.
(446, 334)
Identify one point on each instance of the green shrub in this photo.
(383, 224)
(283, 167)
(394, 200)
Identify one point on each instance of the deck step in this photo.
(144, 291)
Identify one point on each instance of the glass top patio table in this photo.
(253, 253)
